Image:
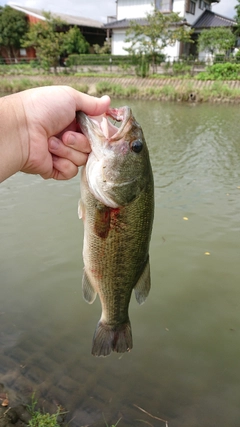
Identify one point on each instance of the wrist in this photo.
(14, 141)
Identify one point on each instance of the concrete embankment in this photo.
(147, 88)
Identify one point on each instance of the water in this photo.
(185, 364)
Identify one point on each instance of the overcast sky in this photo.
(99, 10)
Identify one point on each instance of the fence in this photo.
(121, 60)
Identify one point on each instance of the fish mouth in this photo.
(103, 126)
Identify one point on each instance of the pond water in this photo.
(185, 363)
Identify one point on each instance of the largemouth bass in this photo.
(117, 205)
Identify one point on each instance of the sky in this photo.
(99, 10)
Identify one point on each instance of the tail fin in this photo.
(108, 338)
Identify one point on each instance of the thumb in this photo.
(90, 104)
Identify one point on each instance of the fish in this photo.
(117, 209)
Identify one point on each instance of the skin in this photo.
(39, 134)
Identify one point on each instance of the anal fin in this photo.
(143, 285)
(89, 294)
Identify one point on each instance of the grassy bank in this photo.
(184, 91)
(9, 85)
(135, 88)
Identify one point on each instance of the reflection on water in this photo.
(185, 364)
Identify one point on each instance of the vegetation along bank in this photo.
(165, 89)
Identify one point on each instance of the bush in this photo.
(227, 71)
(180, 68)
(97, 59)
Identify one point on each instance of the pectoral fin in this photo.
(89, 294)
(102, 220)
(80, 209)
(143, 285)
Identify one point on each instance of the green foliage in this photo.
(227, 71)
(130, 91)
(181, 68)
(141, 65)
(113, 425)
(116, 90)
(13, 26)
(98, 60)
(237, 18)
(160, 31)
(73, 60)
(219, 57)
(216, 40)
(75, 42)
(44, 420)
(105, 49)
(47, 39)
(40, 419)
(81, 88)
(110, 88)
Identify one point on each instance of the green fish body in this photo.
(117, 207)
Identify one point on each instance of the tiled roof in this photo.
(69, 19)
(125, 23)
(210, 19)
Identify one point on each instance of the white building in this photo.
(191, 12)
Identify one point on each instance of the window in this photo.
(204, 5)
(163, 5)
(158, 4)
(192, 7)
(23, 52)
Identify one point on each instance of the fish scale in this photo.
(116, 239)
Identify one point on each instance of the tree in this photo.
(75, 42)
(159, 31)
(237, 18)
(218, 40)
(47, 39)
(13, 26)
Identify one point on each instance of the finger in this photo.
(77, 141)
(63, 169)
(72, 127)
(90, 104)
(59, 149)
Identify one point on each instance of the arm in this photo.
(38, 131)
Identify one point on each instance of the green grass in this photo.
(41, 419)
(17, 85)
(178, 90)
(113, 425)
(44, 420)
(81, 88)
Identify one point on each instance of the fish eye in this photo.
(136, 146)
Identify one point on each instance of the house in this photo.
(206, 20)
(196, 14)
(93, 31)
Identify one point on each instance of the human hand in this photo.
(55, 147)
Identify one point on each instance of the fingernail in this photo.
(71, 139)
(53, 143)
